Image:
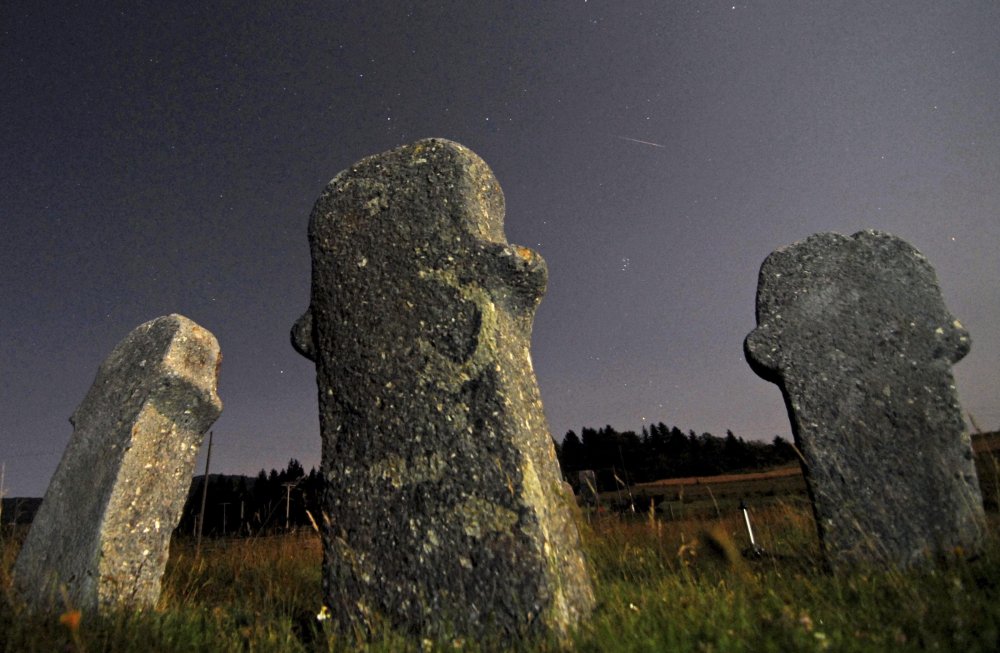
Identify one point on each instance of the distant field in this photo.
(986, 442)
(780, 472)
(706, 496)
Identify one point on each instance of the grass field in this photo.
(663, 584)
(711, 496)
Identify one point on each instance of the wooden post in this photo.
(204, 498)
(224, 504)
(288, 501)
(3, 474)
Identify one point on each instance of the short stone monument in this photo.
(100, 539)
(855, 332)
(588, 487)
(444, 511)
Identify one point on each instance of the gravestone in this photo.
(100, 539)
(855, 332)
(444, 510)
(588, 487)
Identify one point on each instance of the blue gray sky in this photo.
(164, 157)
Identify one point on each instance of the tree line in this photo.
(239, 505)
(622, 458)
(282, 500)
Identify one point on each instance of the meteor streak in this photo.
(636, 140)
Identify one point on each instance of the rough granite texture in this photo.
(444, 512)
(102, 533)
(855, 332)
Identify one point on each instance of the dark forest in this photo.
(623, 458)
(279, 500)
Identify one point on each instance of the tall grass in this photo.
(678, 585)
(683, 586)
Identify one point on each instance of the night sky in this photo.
(162, 157)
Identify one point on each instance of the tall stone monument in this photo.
(855, 332)
(101, 537)
(444, 511)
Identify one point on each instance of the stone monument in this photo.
(101, 537)
(588, 487)
(855, 332)
(444, 510)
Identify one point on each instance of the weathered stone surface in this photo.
(103, 531)
(588, 486)
(444, 509)
(855, 332)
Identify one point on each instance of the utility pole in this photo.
(288, 500)
(224, 504)
(204, 498)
